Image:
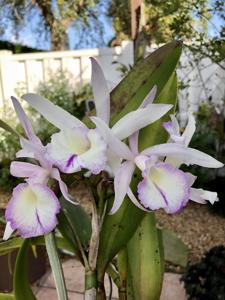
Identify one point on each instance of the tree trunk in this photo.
(59, 39)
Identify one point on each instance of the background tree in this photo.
(55, 17)
(199, 23)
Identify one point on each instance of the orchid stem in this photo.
(90, 274)
(113, 274)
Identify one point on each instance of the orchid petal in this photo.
(8, 231)
(172, 127)
(164, 187)
(177, 138)
(121, 183)
(138, 119)
(100, 91)
(183, 154)
(66, 146)
(176, 126)
(191, 178)
(63, 187)
(114, 162)
(36, 151)
(73, 149)
(141, 160)
(25, 121)
(53, 113)
(133, 142)
(189, 130)
(121, 149)
(95, 158)
(200, 196)
(24, 153)
(35, 173)
(30, 147)
(135, 201)
(150, 197)
(149, 98)
(32, 210)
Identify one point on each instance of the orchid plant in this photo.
(126, 179)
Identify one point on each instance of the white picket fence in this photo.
(21, 73)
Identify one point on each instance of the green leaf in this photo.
(8, 128)
(79, 221)
(12, 244)
(61, 243)
(73, 221)
(56, 266)
(66, 231)
(175, 250)
(21, 284)
(156, 69)
(119, 225)
(7, 296)
(145, 263)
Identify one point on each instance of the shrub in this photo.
(206, 279)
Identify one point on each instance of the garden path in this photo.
(74, 274)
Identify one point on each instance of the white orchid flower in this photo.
(163, 184)
(173, 128)
(76, 146)
(33, 206)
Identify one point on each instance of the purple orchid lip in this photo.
(169, 190)
(78, 148)
(143, 190)
(42, 204)
(70, 160)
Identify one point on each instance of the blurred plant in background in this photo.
(205, 280)
(8, 148)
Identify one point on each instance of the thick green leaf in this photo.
(175, 250)
(7, 296)
(10, 245)
(156, 69)
(21, 285)
(123, 224)
(129, 291)
(145, 263)
(56, 266)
